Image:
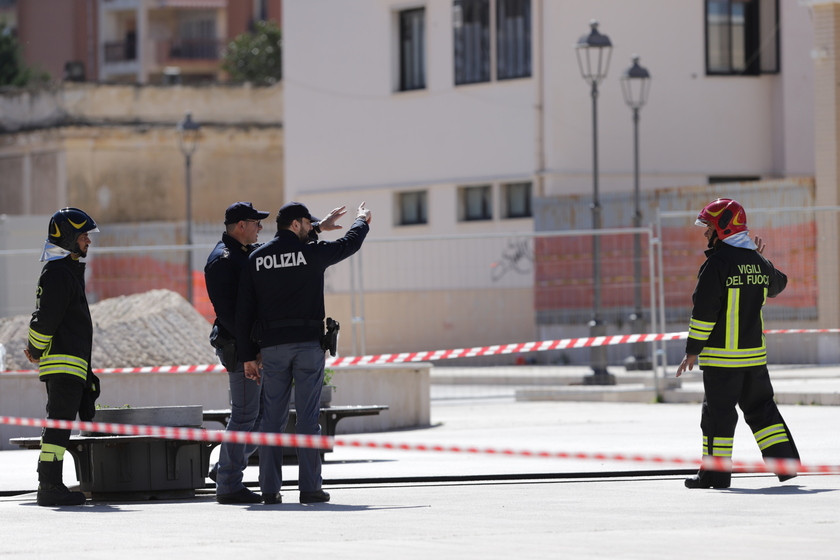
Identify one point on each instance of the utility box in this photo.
(142, 467)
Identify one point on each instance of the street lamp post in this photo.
(593, 55)
(188, 131)
(635, 85)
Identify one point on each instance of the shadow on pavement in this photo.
(330, 507)
(780, 490)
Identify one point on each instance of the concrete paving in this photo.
(411, 504)
(793, 384)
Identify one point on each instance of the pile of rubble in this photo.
(155, 328)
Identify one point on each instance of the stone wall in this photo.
(114, 150)
(93, 104)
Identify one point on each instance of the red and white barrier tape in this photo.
(183, 434)
(206, 368)
(777, 466)
(518, 348)
(436, 355)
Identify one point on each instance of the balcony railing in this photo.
(191, 49)
(175, 49)
(120, 51)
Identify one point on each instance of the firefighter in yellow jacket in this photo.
(60, 342)
(726, 335)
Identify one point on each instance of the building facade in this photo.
(466, 117)
(447, 115)
(135, 41)
(55, 33)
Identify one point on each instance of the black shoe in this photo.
(785, 477)
(315, 497)
(272, 498)
(59, 495)
(214, 472)
(241, 496)
(709, 479)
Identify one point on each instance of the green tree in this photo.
(13, 71)
(255, 56)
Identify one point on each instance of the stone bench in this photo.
(329, 418)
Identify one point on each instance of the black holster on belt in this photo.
(257, 330)
(329, 342)
(225, 346)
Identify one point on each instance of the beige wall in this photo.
(411, 321)
(100, 104)
(114, 151)
(217, 104)
(124, 175)
(31, 173)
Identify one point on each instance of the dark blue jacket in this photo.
(284, 281)
(221, 274)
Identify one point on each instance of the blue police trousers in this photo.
(303, 362)
(244, 416)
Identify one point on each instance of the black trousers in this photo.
(64, 395)
(751, 390)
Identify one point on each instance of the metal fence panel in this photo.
(404, 294)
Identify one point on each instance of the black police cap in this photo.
(294, 211)
(239, 211)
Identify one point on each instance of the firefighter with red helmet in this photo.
(60, 342)
(726, 336)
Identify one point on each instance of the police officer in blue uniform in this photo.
(280, 318)
(222, 272)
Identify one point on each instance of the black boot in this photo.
(785, 476)
(51, 489)
(709, 479)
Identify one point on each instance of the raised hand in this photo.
(329, 223)
(760, 244)
(364, 213)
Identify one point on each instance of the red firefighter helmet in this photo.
(727, 216)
